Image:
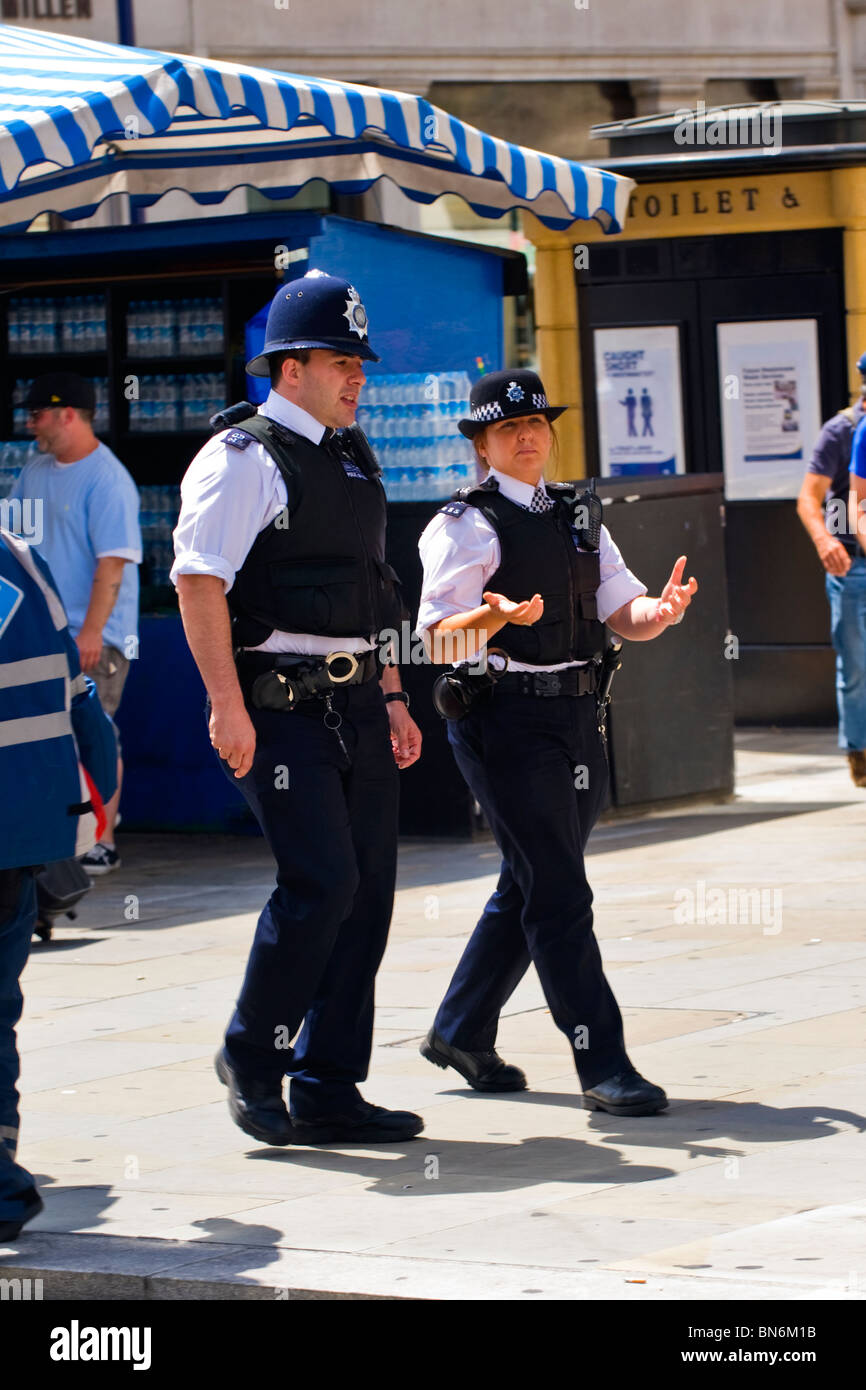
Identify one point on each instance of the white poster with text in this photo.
(640, 418)
(771, 405)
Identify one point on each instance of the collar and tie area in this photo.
(541, 502)
(332, 444)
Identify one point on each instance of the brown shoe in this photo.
(857, 764)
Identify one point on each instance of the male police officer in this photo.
(283, 588)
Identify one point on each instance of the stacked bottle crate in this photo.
(46, 325)
(160, 507)
(411, 422)
(19, 410)
(174, 327)
(167, 402)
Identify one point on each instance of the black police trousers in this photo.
(538, 768)
(332, 827)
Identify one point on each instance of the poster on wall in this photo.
(640, 418)
(771, 406)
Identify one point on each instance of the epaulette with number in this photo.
(239, 439)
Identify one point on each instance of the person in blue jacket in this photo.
(51, 727)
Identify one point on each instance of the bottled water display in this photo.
(13, 456)
(81, 323)
(174, 327)
(160, 507)
(411, 422)
(185, 402)
(101, 420)
(73, 324)
(32, 325)
(199, 327)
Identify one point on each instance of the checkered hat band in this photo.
(492, 411)
(539, 401)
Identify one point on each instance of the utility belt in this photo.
(282, 680)
(457, 692)
(574, 680)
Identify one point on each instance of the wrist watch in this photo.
(398, 695)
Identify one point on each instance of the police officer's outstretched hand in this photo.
(524, 614)
(234, 738)
(676, 596)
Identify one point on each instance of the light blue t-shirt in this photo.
(88, 509)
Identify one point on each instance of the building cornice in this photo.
(416, 70)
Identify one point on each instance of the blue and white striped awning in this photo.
(81, 121)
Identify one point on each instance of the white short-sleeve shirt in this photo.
(228, 496)
(460, 553)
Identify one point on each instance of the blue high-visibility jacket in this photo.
(50, 720)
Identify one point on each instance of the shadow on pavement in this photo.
(470, 1166)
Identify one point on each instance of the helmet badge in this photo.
(356, 314)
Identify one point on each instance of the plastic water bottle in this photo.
(145, 330)
(215, 343)
(49, 326)
(183, 313)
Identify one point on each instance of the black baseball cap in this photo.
(61, 388)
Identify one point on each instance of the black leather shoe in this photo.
(485, 1071)
(627, 1093)
(257, 1107)
(371, 1124)
(33, 1205)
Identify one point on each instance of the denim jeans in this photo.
(847, 596)
(17, 919)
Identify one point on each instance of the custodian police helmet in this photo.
(316, 311)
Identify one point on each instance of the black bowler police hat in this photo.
(316, 311)
(61, 388)
(504, 395)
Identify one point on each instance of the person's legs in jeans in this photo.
(847, 597)
(17, 919)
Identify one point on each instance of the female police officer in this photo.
(517, 565)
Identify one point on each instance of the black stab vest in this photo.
(539, 556)
(319, 566)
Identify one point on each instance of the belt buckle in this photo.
(339, 659)
(547, 683)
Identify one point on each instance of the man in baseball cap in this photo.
(58, 389)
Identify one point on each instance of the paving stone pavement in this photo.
(734, 938)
